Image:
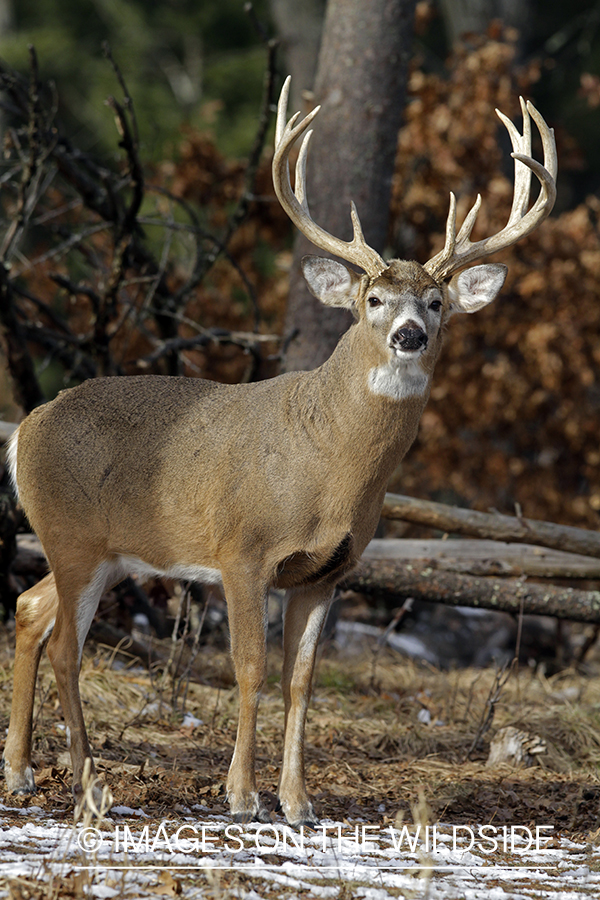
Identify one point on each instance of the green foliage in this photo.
(184, 62)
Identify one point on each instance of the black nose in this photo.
(410, 337)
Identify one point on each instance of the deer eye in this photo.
(435, 305)
(374, 302)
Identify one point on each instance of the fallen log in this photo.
(453, 519)
(469, 556)
(512, 595)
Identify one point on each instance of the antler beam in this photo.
(458, 250)
(295, 204)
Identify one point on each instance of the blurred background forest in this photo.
(177, 166)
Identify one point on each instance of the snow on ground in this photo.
(130, 855)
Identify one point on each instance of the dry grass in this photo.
(368, 754)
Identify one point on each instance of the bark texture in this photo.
(299, 27)
(511, 595)
(495, 526)
(481, 557)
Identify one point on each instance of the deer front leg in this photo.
(305, 614)
(247, 613)
(36, 611)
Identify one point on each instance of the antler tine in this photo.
(470, 219)
(282, 110)
(450, 226)
(459, 251)
(295, 203)
(300, 185)
(521, 145)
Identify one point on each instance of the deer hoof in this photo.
(303, 816)
(244, 818)
(19, 781)
(247, 808)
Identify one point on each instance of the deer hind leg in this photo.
(247, 613)
(78, 600)
(305, 613)
(36, 612)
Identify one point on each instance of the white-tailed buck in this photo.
(278, 483)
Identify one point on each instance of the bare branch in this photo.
(26, 386)
(247, 340)
(99, 217)
(77, 290)
(126, 95)
(47, 310)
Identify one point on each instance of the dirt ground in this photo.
(389, 741)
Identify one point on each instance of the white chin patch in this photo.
(399, 378)
(407, 356)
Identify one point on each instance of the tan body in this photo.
(194, 499)
(278, 483)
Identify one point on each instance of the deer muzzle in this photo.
(409, 338)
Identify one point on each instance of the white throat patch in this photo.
(398, 379)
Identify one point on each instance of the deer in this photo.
(277, 483)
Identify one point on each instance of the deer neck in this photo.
(359, 405)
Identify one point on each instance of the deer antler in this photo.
(295, 204)
(458, 250)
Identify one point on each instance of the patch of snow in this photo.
(127, 811)
(443, 862)
(190, 721)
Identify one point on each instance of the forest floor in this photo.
(396, 762)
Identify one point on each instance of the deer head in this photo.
(407, 302)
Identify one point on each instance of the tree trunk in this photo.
(299, 27)
(360, 85)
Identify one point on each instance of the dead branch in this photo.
(452, 519)
(424, 582)
(264, 118)
(98, 217)
(243, 339)
(487, 717)
(28, 392)
(398, 616)
(469, 556)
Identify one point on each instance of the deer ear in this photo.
(331, 282)
(475, 288)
